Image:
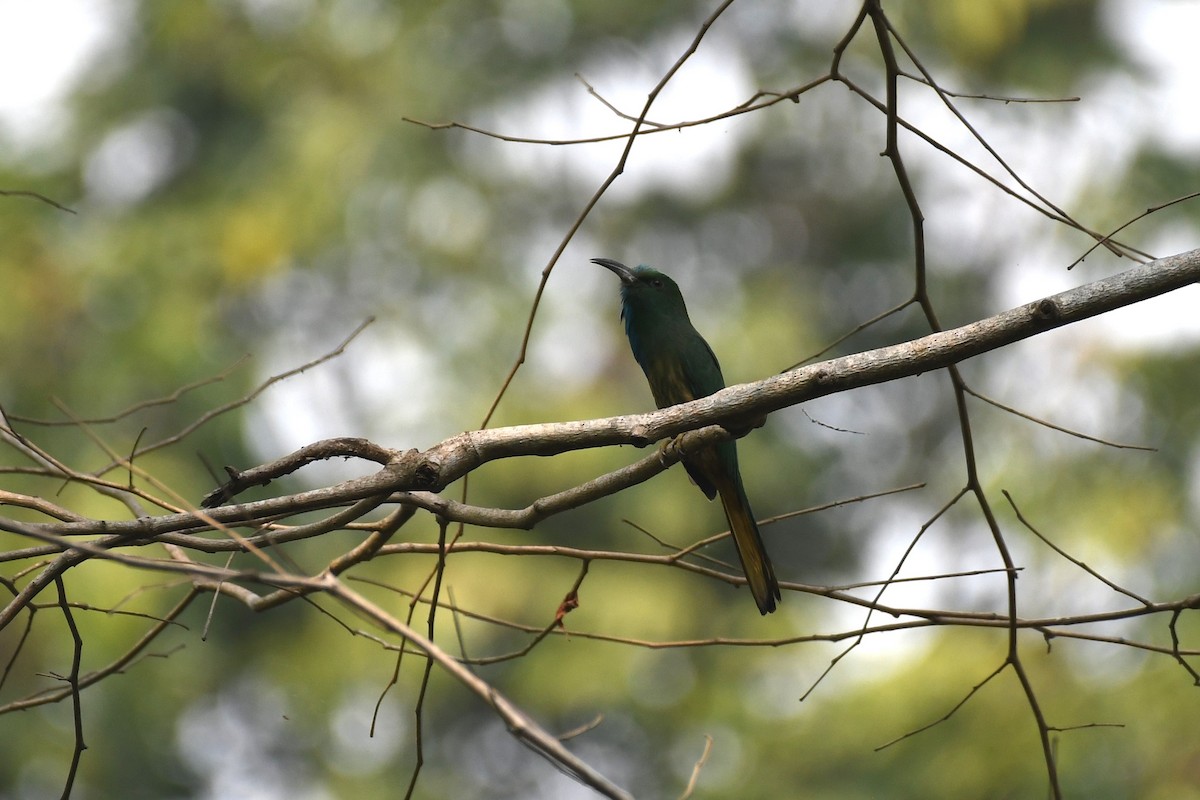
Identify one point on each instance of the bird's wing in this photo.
(703, 370)
(702, 376)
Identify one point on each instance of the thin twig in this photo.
(73, 686)
(1068, 556)
(1059, 428)
(35, 196)
(690, 789)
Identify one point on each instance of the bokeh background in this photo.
(246, 178)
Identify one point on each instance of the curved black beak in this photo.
(623, 272)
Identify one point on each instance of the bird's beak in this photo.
(623, 272)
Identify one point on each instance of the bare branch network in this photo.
(166, 533)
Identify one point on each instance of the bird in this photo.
(680, 366)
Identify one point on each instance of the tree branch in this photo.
(446, 462)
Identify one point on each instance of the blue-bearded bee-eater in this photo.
(680, 366)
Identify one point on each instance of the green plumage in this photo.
(680, 366)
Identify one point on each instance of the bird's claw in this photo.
(671, 451)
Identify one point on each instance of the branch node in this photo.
(428, 472)
(1047, 310)
(640, 436)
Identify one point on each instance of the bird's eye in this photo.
(656, 283)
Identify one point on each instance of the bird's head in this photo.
(645, 289)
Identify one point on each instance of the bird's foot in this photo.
(671, 451)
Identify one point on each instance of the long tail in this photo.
(755, 563)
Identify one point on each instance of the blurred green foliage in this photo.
(246, 180)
